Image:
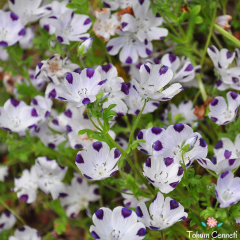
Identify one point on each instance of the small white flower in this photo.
(163, 213)
(70, 27)
(7, 221)
(98, 161)
(163, 173)
(50, 174)
(154, 79)
(3, 173)
(25, 233)
(26, 185)
(227, 189)
(79, 194)
(115, 4)
(224, 21)
(11, 29)
(106, 24)
(121, 223)
(16, 116)
(220, 112)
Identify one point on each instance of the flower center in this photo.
(100, 169)
(228, 114)
(161, 177)
(15, 121)
(227, 195)
(115, 235)
(4, 34)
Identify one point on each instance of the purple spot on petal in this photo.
(51, 145)
(229, 54)
(90, 72)
(14, 102)
(69, 78)
(219, 145)
(79, 158)
(60, 39)
(97, 146)
(180, 171)
(147, 68)
(102, 82)
(68, 113)
(109, 48)
(141, 1)
(214, 102)
(227, 154)
(231, 161)
(96, 191)
(3, 44)
(163, 70)
(172, 58)
(157, 146)
(202, 142)
(189, 68)
(174, 184)
(178, 127)
(156, 130)
(86, 176)
(173, 204)
(124, 24)
(99, 214)
(34, 113)
(117, 153)
(148, 163)
(234, 95)
(224, 174)
(212, 49)
(126, 212)
(22, 32)
(21, 229)
(14, 16)
(128, 60)
(140, 135)
(214, 160)
(148, 51)
(87, 21)
(168, 161)
(55, 122)
(24, 198)
(95, 235)
(86, 101)
(141, 232)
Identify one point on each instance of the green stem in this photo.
(12, 211)
(114, 189)
(227, 35)
(136, 123)
(90, 118)
(217, 41)
(161, 235)
(172, 28)
(216, 205)
(213, 174)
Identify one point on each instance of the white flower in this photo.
(121, 142)
(11, 29)
(79, 194)
(27, 10)
(145, 25)
(3, 54)
(115, 4)
(220, 112)
(135, 103)
(151, 135)
(25, 233)
(26, 185)
(224, 21)
(131, 47)
(98, 161)
(38, 83)
(181, 143)
(70, 27)
(3, 173)
(16, 116)
(227, 189)
(163, 213)
(183, 113)
(154, 79)
(130, 200)
(226, 158)
(7, 220)
(55, 69)
(26, 41)
(121, 223)
(50, 174)
(163, 173)
(78, 88)
(106, 24)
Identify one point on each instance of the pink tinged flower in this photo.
(25, 233)
(226, 156)
(78, 88)
(135, 103)
(11, 29)
(153, 83)
(78, 196)
(162, 213)
(224, 21)
(50, 174)
(227, 189)
(129, 46)
(16, 116)
(145, 24)
(97, 161)
(211, 222)
(7, 221)
(3, 173)
(163, 173)
(26, 185)
(220, 112)
(175, 137)
(70, 27)
(121, 223)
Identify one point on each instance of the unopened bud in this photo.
(224, 22)
(188, 145)
(85, 47)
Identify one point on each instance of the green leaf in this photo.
(209, 212)
(198, 20)
(196, 10)
(60, 225)
(26, 90)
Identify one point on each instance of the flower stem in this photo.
(114, 189)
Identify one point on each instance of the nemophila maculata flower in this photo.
(130, 200)
(78, 88)
(162, 213)
(226, 156)
(26, 185)
(183, 113)
(121, 223)
(97, 161)
(182, 144)
(106, 24)
(163, 173)
(16, 116)
(153, 82)
(224, 21)
(151, 136)
(135, 103)
(49, 175)
(78, 196)
(70, 27)
(129, 46)
(144, 24)
(25, 233)
(26, 42)
(3, 54)
(3, 173)
(115, 4)
(11, 29)
(55, 69)
(221, 112)
(7, 221)
(227, 189)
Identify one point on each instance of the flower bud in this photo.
(224, 22)
(188, 145)
(85, 46)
